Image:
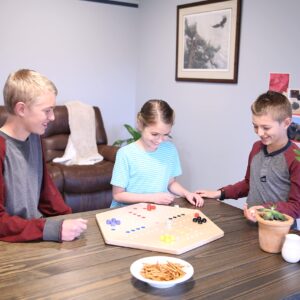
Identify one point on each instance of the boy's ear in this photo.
(19, 109)
(287, 122)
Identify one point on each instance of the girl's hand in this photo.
(250, 213)
(209, 194)
(194, 199)
(162, 198)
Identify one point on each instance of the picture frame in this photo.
(207, 41)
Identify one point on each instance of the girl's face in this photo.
(153, 135)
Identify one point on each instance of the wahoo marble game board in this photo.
(160, 228)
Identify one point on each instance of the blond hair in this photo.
(25, 86)
(274, 103)
(154, 110)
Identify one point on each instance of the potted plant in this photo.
(135, 135)
(272, 228)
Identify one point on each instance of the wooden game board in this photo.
(157, 228)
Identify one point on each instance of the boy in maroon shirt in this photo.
(27, 193)
(273, 173)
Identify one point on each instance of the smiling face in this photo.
(36, 115)
(153, 135)
(272, 133)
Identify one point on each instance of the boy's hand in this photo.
(250, 213)
(194, 199)
(162, 198)
(71, 229)
(209, 194)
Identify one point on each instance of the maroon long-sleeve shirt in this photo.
(271, 178)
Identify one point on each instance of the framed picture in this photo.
(207, 44)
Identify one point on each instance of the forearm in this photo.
(17, 229)
(237, 190)
(177, 189)
(127, 197)
(192, 197)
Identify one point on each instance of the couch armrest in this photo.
(108, 152)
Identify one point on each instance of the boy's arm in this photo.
(51, 204)
(51, 201)
(17, 229)
(14, 228)
(235, 191)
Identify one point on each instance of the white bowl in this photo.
(137, 266)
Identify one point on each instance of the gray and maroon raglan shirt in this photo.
(27, 193)
(271, 178)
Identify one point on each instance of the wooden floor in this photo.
(232, 267)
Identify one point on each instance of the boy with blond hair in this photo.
(27, 193)
(273, 173)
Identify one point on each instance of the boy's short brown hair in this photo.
(25, 86)
(274, 103)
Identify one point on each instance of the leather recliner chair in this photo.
(83, 187)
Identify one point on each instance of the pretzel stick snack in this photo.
(162, 272)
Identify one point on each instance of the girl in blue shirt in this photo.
(146, 170)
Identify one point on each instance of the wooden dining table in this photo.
(232, 267)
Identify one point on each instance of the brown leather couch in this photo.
(83, 187)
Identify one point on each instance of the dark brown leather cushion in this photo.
(90, 201)
(87, 179)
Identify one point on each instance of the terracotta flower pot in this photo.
(271, 233)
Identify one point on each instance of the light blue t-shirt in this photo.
(142, 172)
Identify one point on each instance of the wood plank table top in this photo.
(232, 267)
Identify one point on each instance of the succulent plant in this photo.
(271, 214)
